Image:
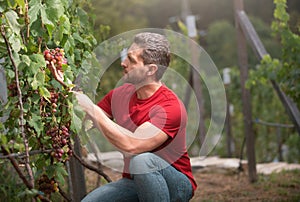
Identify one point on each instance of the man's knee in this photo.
(145, 163)
(142, 163)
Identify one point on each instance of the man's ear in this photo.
(152, 69)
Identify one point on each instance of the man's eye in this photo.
(131, 60)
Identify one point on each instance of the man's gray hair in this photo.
(156, 50)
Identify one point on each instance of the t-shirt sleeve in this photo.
(105, 103)
(170, 117)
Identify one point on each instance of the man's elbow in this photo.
(132, 150)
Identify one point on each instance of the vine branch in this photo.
(27, 19)
(64, 194)
(22, 155)
(21, 121)
(93, 168)
(17, 168)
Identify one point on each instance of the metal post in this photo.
(246, 96)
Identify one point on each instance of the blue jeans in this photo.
(152, 180)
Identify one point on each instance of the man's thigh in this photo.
(121, 190)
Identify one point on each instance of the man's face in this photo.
(135, 71)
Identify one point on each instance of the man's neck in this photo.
(147, 90)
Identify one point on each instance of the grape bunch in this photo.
(53, 99)
(56, 56)
(47, 185)
(13, 89)
(60, 138)
(47, 110)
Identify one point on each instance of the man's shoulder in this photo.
(168, 93)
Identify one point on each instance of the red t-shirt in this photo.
(164, 110)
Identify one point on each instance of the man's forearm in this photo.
(116, 134)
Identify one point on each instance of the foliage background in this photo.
(216, 28)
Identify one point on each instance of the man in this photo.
(148, 128)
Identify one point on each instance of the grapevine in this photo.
(285, 71)
(43, 55)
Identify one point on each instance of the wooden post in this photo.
(194, 74)
(77, 175)
(246, 96)
(227, 81)
(228, 129)
(197, 86)
(188, 91)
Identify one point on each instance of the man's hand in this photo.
(84, 102)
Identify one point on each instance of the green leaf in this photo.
(3, 139)
(65, 24)
(64, 28)
(60, 174)
(84, 19)
(28, 192)
(77, 37)
(15, 42)
(50, 170)
(49, 24)
(44, 92)
(12, 20)
(34, 10)
(38, 58)
(15, 113)
(38, 80)
(36, 123)
(37, 61)
(54, 9)
(77, 117)
(12, 3)
(1, 11)
(25, 59)
(10, 73)
(21, 3)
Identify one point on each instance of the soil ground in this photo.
(219, 185)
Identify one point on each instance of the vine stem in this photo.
(17, 168)
(95, 169)
(21, 155)
(21, 121)
(27, 19)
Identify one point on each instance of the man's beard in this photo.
(130, 77)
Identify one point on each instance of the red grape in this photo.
(56, 56)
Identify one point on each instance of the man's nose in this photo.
(123, 63)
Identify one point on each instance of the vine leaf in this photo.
(36, 123)
(44, 92)
(12, 20)
(49, 25)
(33, 13)
(38, 80)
